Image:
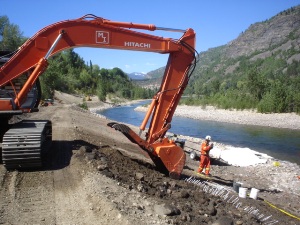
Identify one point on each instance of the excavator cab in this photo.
(11, 89)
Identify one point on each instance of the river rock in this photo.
(166, 209)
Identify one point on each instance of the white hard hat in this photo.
(208, 138)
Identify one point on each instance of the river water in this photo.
(282, 144)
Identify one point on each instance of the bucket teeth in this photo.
(111, 124)
(123, 129)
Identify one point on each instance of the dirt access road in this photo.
(94, 175)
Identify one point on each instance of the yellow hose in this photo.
(281, 210)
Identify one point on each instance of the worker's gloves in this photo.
(211, 145)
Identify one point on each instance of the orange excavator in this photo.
(24, 143)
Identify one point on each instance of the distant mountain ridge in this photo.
(138, 76)
(277, 37)
(272, 33)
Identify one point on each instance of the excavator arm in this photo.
(91, 31)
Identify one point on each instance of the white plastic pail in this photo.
(242, 192)
(253, 193)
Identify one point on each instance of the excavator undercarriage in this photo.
(25, 144)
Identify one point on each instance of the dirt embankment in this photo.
(94, 175)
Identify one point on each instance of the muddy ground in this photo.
(94, 175)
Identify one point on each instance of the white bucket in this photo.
(242, 192)
(253, 193)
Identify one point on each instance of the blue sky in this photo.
(216, 22)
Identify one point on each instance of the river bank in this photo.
(211, 113)
(245, 117)
(244, 129)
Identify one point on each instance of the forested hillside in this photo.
(260, 69)
(68, 72)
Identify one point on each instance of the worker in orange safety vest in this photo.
(206, 146)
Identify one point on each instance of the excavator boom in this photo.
(92, 31)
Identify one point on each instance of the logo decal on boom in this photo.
(102, 37)
(136, 44)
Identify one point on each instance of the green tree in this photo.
(11, 38)
(102, 91)
(49, 80)
(85, 79)
(215, 85)
(257, 83)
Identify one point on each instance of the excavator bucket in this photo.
(172, 156)
(166, 155)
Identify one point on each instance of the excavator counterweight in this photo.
(20, 90)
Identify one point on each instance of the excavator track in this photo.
(25, 143)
